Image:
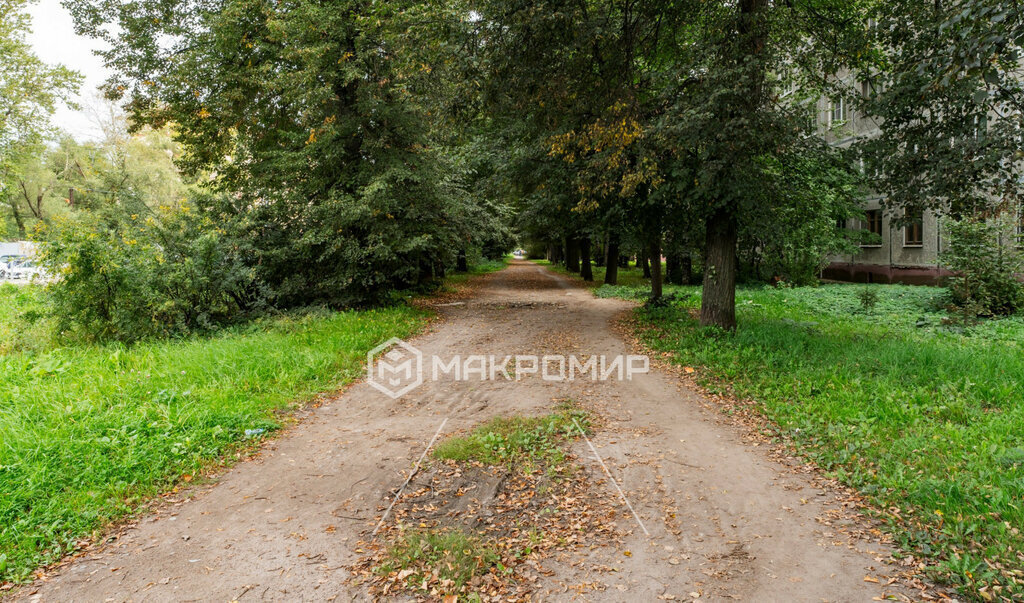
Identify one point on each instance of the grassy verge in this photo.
(522, 441)
(21, 307)
(89, 434)
(484, 267)
(631, 277)
(924, 417)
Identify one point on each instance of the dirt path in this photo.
(726, 522)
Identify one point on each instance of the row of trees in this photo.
(664, 123)
(350, 147)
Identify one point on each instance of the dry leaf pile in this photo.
(522, 516)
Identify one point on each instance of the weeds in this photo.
(868, 299)
(517, 440)
(455, 555)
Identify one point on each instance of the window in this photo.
(873, 224)
(788, 87)
(839, 110)
(913, 232)
(811, 118)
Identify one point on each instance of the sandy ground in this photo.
(726, 522)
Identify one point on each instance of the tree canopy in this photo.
(30, 91)
(345, 149)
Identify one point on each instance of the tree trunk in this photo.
(22, 234)
(686, 269)
(655, 257)
(554, 253)
(611, 270)
(461, 263)
(641, 260)
(678, 268)
(37, 208)
(426, 272)
(585, 269)
(672, 275)
(718, 305)
(623, 261)
(572, 254)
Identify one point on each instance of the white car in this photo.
(7, 264)
(24, 269)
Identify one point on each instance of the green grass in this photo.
(91, 433)
(517, 440)
(925, 417)
(631, 277)
(21, 310)
(454, 554)
(88, 434)
(453, 279)
(483, 267)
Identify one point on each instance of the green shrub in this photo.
(126, 277)
(868, 299)
(986, 270)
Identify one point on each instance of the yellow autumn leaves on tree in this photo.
(610, 147)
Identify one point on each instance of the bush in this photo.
(986, 270)
(126, 277)
(793, 240)
(868, 299)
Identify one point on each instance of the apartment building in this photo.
(907, 252)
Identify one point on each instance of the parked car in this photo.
(7, 264)
(25, 269)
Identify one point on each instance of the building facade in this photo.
(904, 251)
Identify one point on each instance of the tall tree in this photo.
(948, 95)
(733, 127)
(302, 112)
(30, 91)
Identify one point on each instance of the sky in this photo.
(54, 40)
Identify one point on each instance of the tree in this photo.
(948, 97)
(986, 269)
(667, 116)
(30, 91)
(303, 113)
(733, 130)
